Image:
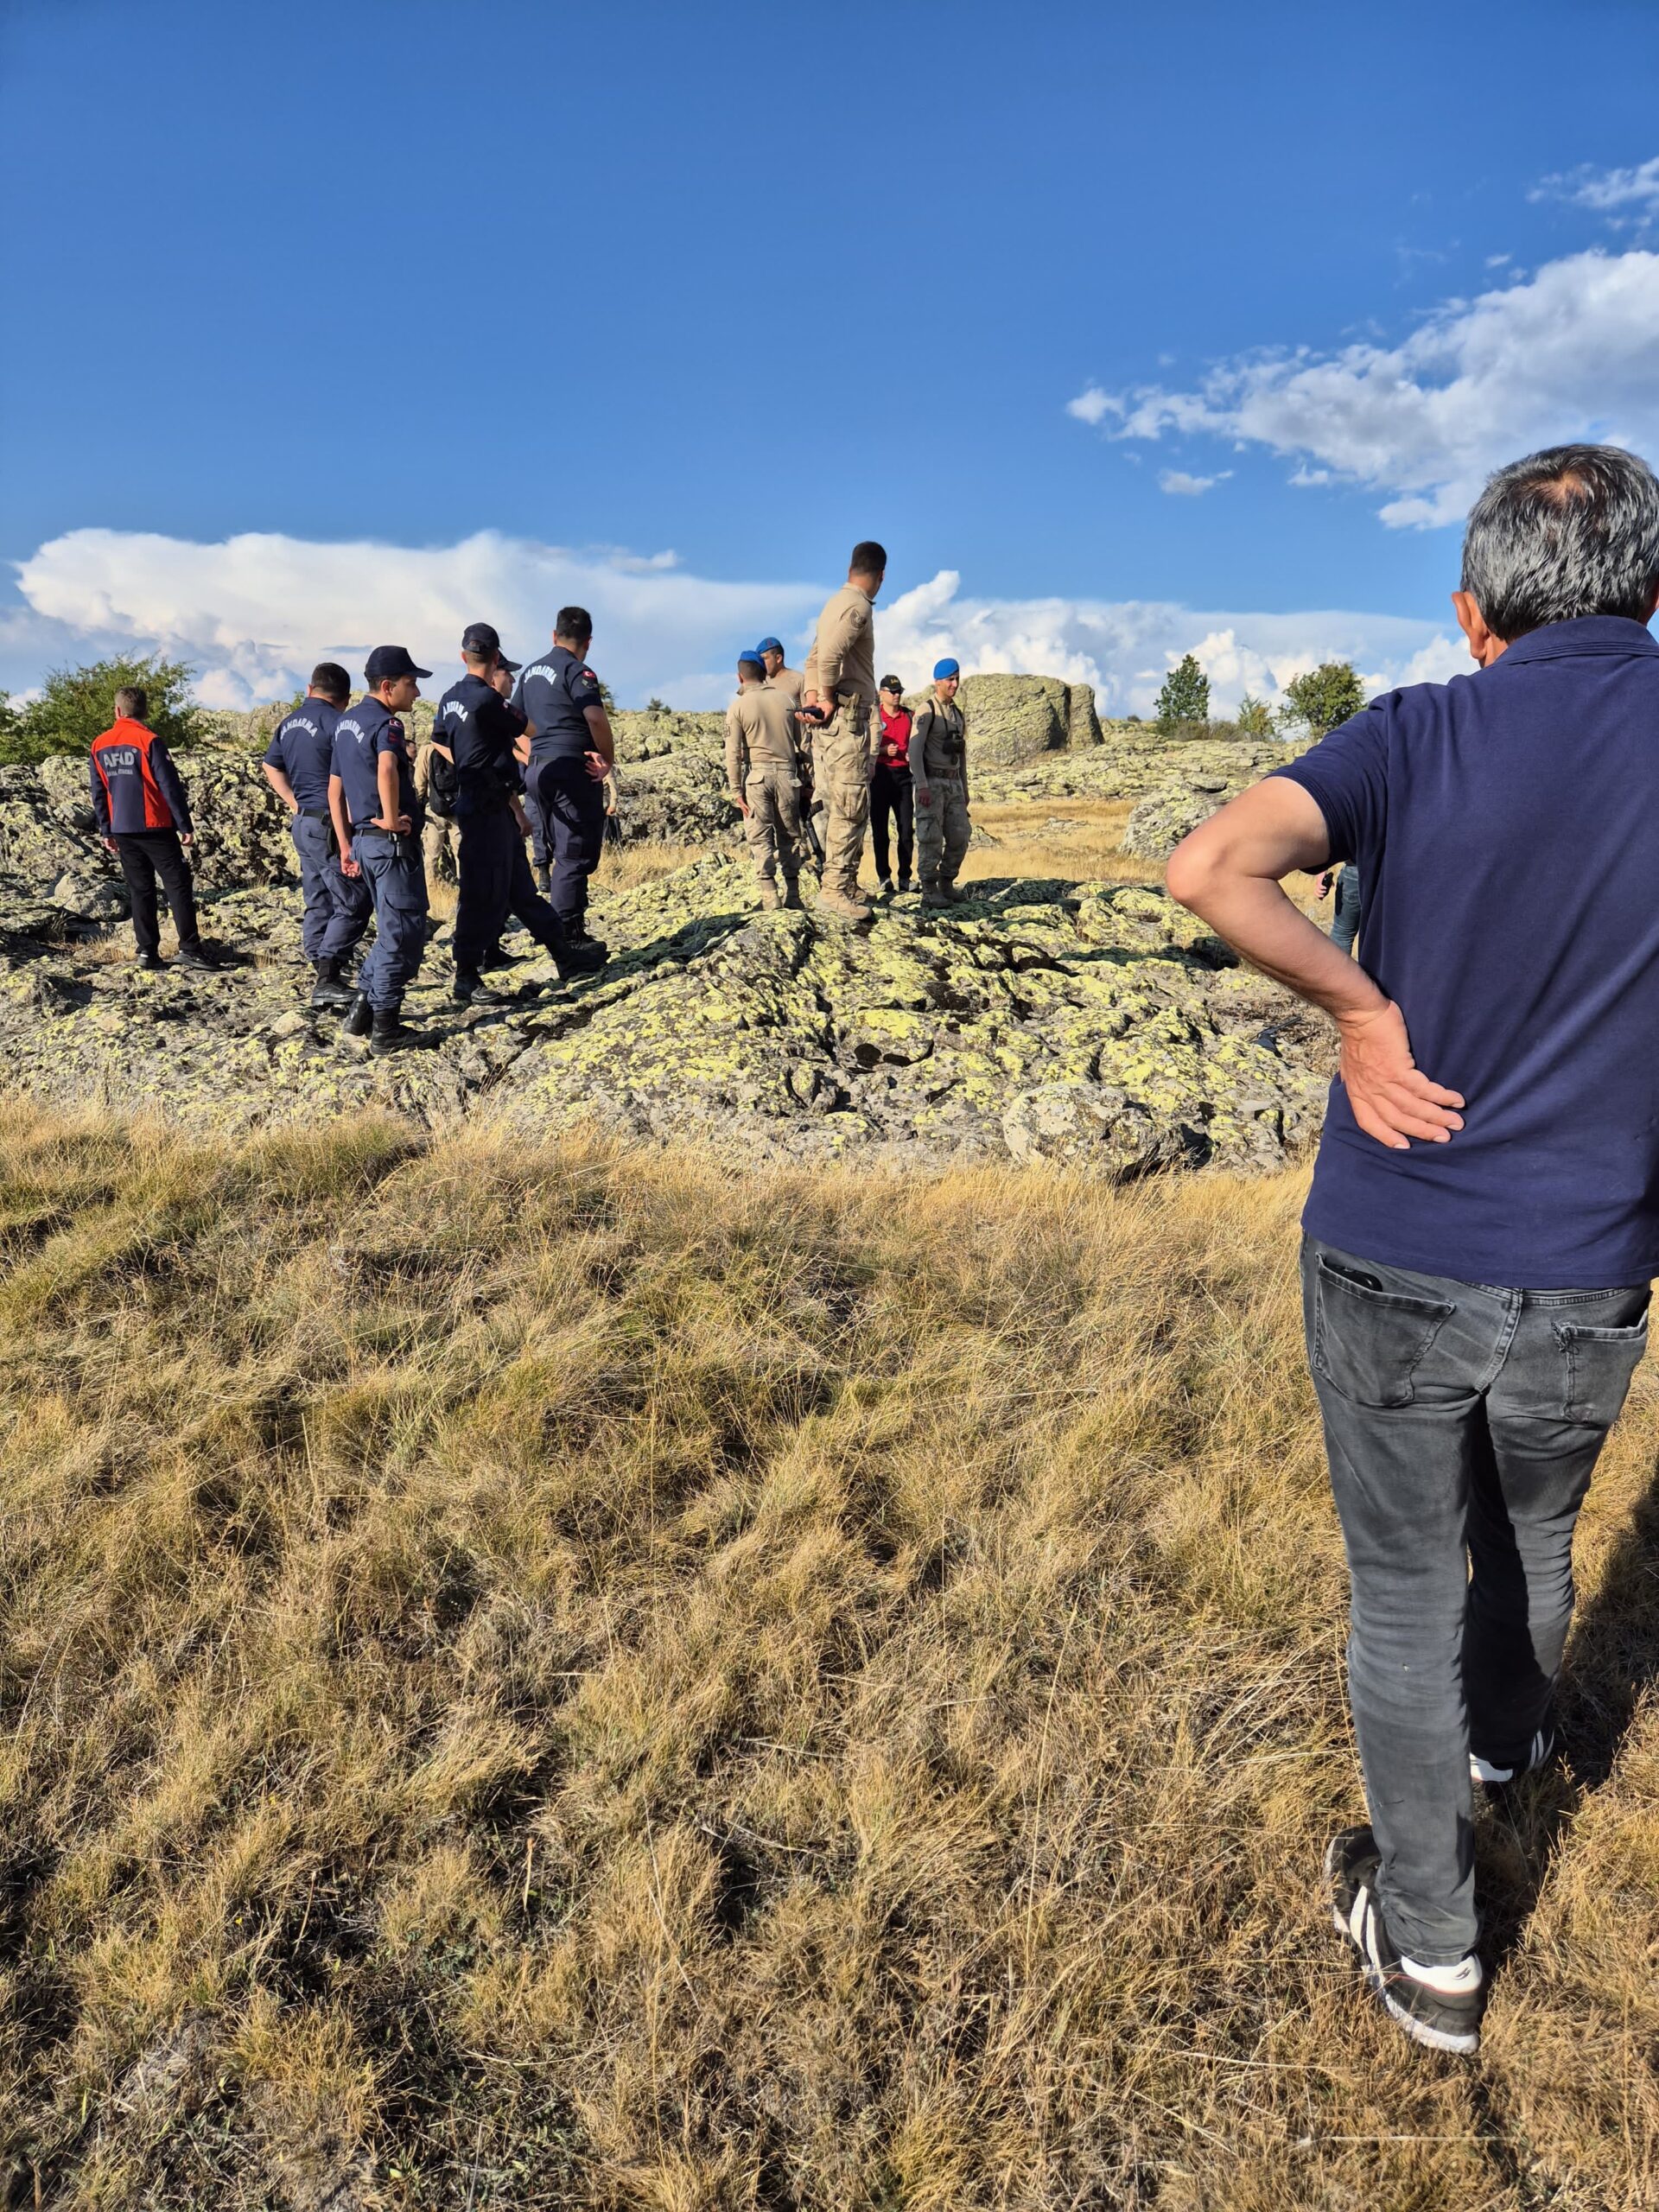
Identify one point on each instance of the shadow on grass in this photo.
(1612, 1657)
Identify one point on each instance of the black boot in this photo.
(389, 1033)
(330, 991)
(545, 881)
(359, 1016)
(473, 990)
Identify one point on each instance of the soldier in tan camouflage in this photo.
(789, 681)
(763, 775)
(841, 685)
(938, 771)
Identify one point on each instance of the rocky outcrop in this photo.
(1091, 1025)
(1194, 779)
(1017, 718)
(677, 798)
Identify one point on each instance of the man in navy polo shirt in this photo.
(336, 907)
(1483, 1222)
(371, 799)
(481, 730)
(570, 752)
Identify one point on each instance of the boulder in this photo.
(677, 798)
(1018, 718)
(1197, 777)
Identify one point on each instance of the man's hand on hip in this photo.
(1391, 1097)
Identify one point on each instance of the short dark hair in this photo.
(330, 679)
(573, 622)
(868, 559)
(131, 702)
(1570, 531)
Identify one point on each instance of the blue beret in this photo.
(944, 668)
(752, 660)
(768, 645)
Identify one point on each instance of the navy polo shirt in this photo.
(554, 693)
(479, 728)
(1506, 830)
(302, 748)
(361, 735)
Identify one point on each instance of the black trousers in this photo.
(145, 854)
(496, 881)
(892, 797)
(573, 803)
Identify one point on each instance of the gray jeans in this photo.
(1462, 1423)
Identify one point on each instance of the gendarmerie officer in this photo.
(337, 907)
(481, 730)
(570, 752)
(371, 798)
(780, 675)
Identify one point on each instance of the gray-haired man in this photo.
(1483, 1222)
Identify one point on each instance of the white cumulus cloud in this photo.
(1089, 405)
(257, 611)
(1573, 351)
(254, 613)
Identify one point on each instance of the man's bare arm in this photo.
(281, 786)
(1229, 872)
(342, 827)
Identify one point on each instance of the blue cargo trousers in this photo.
(396, 876)
(336, 907)
(1462, 1423)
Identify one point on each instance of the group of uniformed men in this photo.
(524, 752)
(869, 758)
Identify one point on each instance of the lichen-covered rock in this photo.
(677, 798)
(1012, 718)
(642, 737)
(1194, 780)
(1090, 1026)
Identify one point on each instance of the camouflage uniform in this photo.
(763, 768)
(939, 768)
(841, 667)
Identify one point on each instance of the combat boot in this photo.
(836, 902)
(770, 902)
(473, 990)
(949, 892)
(329, 990)
(933, 895)
(358, 1017)
(545, 881)
(389, 1033)
(792, 894)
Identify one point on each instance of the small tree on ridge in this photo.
(1186, 695)
(1325, 696)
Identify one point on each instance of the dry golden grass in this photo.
(1072, 838)
(581, 1679)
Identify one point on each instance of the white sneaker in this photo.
(1482, 1772)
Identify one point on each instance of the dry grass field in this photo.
(576, 1679)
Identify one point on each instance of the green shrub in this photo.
(1254, 717)
(78, 704)
(1324, 697)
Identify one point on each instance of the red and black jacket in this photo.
(135, 785)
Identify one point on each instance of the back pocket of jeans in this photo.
(1599, 1365)
(1368, 1342)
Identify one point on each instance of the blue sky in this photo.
(1126, 330)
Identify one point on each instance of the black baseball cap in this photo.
(512, 667)
(481, 639)
(387, 663)
(894, 684)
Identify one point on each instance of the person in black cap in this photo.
(479, 729)
(371, 798)
(570, 754)
(336, 907)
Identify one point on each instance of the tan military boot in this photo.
(832, 900)
(770, 902)
(933, 893)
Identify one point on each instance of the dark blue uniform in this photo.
(390, 863)
(337, 907)
(553, 693)
(480, 729)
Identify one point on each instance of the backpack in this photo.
(442, 784)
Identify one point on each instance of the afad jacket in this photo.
(135, 785)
